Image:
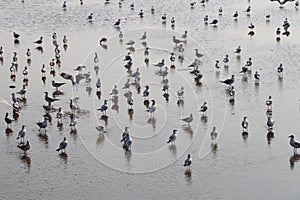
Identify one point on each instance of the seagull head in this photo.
(291, 136)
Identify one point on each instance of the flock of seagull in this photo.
(134, 77)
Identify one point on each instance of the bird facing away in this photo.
(294, 143)
(172, 137)
(62, 146)
(188, 162)
(188, 119)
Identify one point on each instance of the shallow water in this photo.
(96, 166)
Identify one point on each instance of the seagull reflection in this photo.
(214, 148)
(8, 132)
(44, 138)
(188, 176)
(245, 135)
(173, 150)
(189, 131)
(27, 161)
(270, 136)
(64, 157)
(152, 121)
(128, 155)
(100, 139)
(294, 158)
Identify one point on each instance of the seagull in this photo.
(67, 77)
(39, 41)
(104, 107)
(245, 124)
(42, 124)
(257, 76)
(220, 11)
(125, 135)
(152, 108)
(193, 4)
(282, 2)
(57, 84)
(25, 147)
(8, 120)
(188, 162)
(198, 55)
(146, 92)
(177, 41)
(165, 88)
(49, 99)
(16, 35)
(203, 108)
(144, 36)
(294, 143)
(251, 26)
(164, 73)
(214, 22)
(172, 137)
(80, 68)
(100, 129)
(280, 69)
(160, 64)
(269, 103)
(238, 50)
(59, 115)
(188, 119)
(231, 91)
(217, 65)
(129, 99)
(62, 146)
(72, 105)
(214, 134)
(130, 43)
(226, 60)
(22, 133)
(229, 81)
(114, 91)
(184, 35)
(152, 10)
(23, 91)
(90, 17)
(116, 24)
(102, 40)
(248, 10)
(126, 85)
(236, 14)
(98, 84)
(180, 93)
(127, 144)
(270, 122)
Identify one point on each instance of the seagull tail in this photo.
(58, 149)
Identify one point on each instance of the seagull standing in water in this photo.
(8, 120)
(104, 107)
(269, 103)
(22, 133)
(270, 122)
(172, 137)
(180, 93)
(245, 124)
(152, 108)
(203, 108)
(280, 70)
(294, 143)
(229, 81)
(42, 124)
(256, 76)
(188, 119)
(25, 147)
(188, 162)
(63, 145)
(146, 92)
